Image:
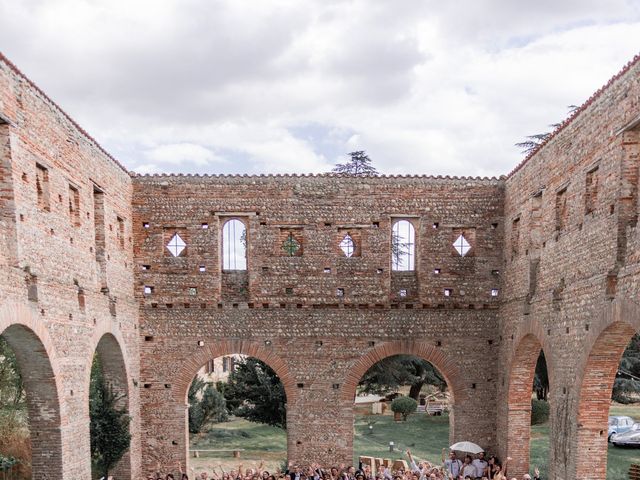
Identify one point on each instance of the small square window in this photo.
(145, 225)
(202, 268)
(205, 226)
(288, 291)
(193, 291)
(436, 225)
(326, 270)
(448, 292)
(148, 290)
(436, 271)
(494, 292)
(339, 292)
(146, 267)
(379, 270)
(376, 224)
(402, 292)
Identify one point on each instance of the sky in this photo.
(292, 86)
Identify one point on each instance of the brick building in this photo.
(160, 274)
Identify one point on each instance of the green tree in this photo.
(534, 141)
(390, 373)
(359, 164)
(12, 397)
(255, 392)
(206, 404)
(541, 378)
(626, 387)
(109, 422)
(404, 405)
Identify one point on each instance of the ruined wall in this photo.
(54, 286)
(571, 255)
(319, 314)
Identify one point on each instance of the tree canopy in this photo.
(109, 422)
(255, 392)
(359, 164)
(206, 404)
(392, 372)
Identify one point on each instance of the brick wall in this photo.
(557, 241)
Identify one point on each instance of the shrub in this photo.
(539, 412)
(404, 405)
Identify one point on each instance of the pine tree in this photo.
(360, 164)
(109, 423)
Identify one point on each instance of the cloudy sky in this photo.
(235, 86)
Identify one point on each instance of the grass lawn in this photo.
(424, 435)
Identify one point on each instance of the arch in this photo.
(403, 246)
(218, 348)
(435, 355)
(32, 347)
(234, 245)
(596, 374)
(109, 347)
(527, 347)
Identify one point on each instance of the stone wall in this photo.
(553, 265)
(58, 301)
(318, 313)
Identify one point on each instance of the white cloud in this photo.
(286, 86)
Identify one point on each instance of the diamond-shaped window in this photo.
(461, 245)
(348, 246)
(176, 245)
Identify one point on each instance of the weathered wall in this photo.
(571, 256)
(558, 239)
(290, 308)
(48, 262)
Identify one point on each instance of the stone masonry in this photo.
(554, 265)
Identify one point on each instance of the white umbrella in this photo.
(467, 447)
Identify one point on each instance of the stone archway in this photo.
(33, 350)
(217, 348)
(114, 369)
(519, 390)
(435, 355)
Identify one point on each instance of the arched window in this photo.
(234, 245)
(403, 245)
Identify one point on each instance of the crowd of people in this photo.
(451, 468)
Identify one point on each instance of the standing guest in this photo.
(452, 464)
(480, 464)
(468, 469)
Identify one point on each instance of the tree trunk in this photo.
(414, 391)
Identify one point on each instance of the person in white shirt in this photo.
(468, 470)
(480, 465)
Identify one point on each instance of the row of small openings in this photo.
(340, 292)
(234, 245)
(340, 305)
(73, 197)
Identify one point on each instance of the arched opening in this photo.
(109, 410)
(403, 245)
(599, 452)
(400, 399)
(34, 435)
(528, 409)
(234, 245)
(236, 416)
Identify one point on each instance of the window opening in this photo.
(461, 245)
(347, 246)
(403, 246)
(120, 231)
(176, 245)
(291, 245)
(234, 245)
(42, 187)
(591, 191)
(74, 206)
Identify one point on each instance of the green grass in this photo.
(424, 435)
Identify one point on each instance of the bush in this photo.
(539, 412)
(404, 405)
(206, 404)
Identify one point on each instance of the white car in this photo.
(629, 438)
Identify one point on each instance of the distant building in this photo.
(218, 369)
